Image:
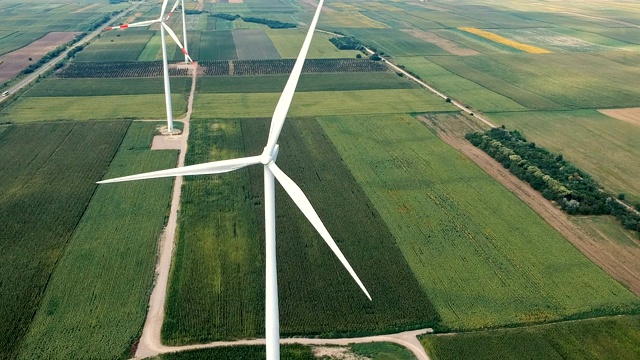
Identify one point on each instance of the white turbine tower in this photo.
(271, 172)
(165, 64)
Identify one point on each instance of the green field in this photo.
(382, 351)
(217, 283)
(96, 301)
(217, 45)
(45, 186)
(126, 45)
(395, 42)
(483, 256)
(606, 338)
(75, 108)
(287, 352)
(319, 103)
(254, 45)
(606, 228)
(575, 81)
(308, 82)
(457, 87)
(57, 87)
(606, 148)
(289, 41)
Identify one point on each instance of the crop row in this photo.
(284, 66)
(117, 70)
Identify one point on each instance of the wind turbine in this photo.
(271, 172)
(165, 65)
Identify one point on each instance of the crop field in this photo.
(96, 301)
(12, 40)
(44, 189)
(217, 285)
(153, 50)
(254, 45)
(348, 19)
(607, 338)
(505, 41)
(272, 67)
(605, 147)
(607, 229)
(289, 41)
(459, 88)
(287, 352)
(550, 40)
(74, 108)
(117, 45)
(308, 82)
(57, 87)
(482, 263)
(395, 42)
(117, 69)
(311, 103)
(571, 82)
(217, 45)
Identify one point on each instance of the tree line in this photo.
(575, 191)
(272, 24)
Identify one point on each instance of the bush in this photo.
(375, 57)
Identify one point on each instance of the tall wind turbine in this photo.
(187, 59)
(271, 172)
(165, 64)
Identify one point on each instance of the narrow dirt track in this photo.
(151, 333)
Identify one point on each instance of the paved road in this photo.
(44, 68)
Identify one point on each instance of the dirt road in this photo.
(150, 341)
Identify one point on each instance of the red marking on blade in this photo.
(124, 26)
(171, 13)
(108, 28)
(184, 51)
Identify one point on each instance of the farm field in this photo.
(57, 87)
(117, 69)
(117, 45)
(251, 352)
(43, 182)
(12, 63)
(459, 88)
(313, 103)
(96, 300)
(605, 147)
(217, 45)
(75, 108)
(608, 229)
(217, 284)
(308, 82)
(289, 41)
(254, 45)
(605, 338)
(483, 263)
(396, 42)
(571, 82)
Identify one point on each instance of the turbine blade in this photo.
(280, 113)
(175, 38)
(304, 205)
(216, 167)
(175, 6)
(138, 24)
(163, 9)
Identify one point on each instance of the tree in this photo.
(375, 57)
(358, 56)
(622, 196)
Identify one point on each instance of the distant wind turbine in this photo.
(165, 66)
(271, 172)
